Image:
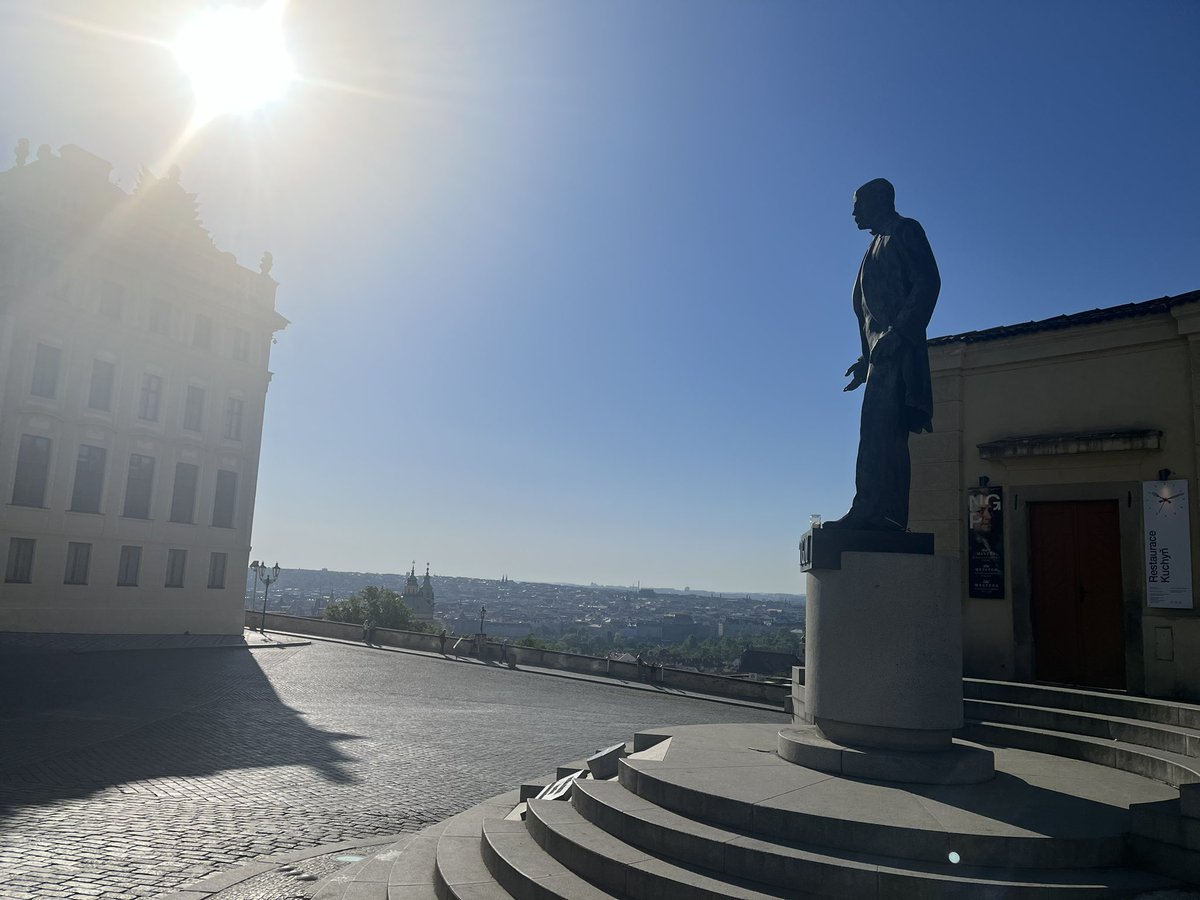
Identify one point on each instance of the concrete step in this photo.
(403, 872)
(1161, 838)
(748, 867)
(459, 871)
(1161, 765)
(369, 877)
(525, 870)
(990, 825)
(644, 740)
(1104, 703)
(533, 786)
(628, 871)
(1162, 821)
(407, 870)
(1173, 738)
(746, 855)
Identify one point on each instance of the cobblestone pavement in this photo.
(129, 774)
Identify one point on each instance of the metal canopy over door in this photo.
(1076, 603)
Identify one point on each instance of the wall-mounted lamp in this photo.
(983, 481)
(1164, 474)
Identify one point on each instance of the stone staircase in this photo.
(1085, 803)
(1156, 738)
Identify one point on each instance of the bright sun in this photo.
(236, 58)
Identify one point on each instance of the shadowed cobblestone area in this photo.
(129, 774)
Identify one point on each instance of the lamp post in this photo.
(254, 592)
(267, 575)
(482, 613)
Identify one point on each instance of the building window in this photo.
(202, 335)
(112, 298)
(223, 502)
(151, 394)
(193, 409)
(241, 344)
(160, 317)
(89, 479)
(138, 486)
(216, 570)
(233, 418)
(176, 561)
(46, 360)
(78, 557)
(20, 561)
(183, 499)
(33, 467)
(101, 390)
(127, 568)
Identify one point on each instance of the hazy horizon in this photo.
(690, 589)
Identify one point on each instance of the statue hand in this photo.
(859, 372)
(886, 346)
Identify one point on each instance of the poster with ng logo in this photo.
(985, 543)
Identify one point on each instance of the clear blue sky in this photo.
(570, 281)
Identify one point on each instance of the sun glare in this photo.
(236, 58)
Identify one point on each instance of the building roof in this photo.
(767, 662)
(1073, 320)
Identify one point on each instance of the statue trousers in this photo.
(882, 473)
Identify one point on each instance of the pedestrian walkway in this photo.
(131, 774)
(465, 656)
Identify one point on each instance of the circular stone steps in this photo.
(1161, 765)
(1038, 812)
(1155, 735)
(709, 812)
(1103, 703)
(747, 864)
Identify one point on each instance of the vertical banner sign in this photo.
(985, 543)
(1168, 544)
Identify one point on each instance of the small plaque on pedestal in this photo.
(822, 548)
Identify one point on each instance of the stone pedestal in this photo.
(883, 673)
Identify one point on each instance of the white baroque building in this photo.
(133, 375)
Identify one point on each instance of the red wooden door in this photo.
(1076, 604)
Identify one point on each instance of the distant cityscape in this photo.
(517, 609)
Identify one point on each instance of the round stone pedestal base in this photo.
(956, 764)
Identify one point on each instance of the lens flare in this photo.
(236, 57)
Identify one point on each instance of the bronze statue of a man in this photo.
(894, 296)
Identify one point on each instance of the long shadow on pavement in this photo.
(74, 724)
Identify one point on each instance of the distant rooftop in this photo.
(1088, 317)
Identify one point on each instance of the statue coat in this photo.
(896, 290)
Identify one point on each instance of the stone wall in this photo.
(505, 652)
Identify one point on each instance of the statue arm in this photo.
(922, 269)
(858, 314)
(858, 369)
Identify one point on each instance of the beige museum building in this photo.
(1064, 454)
(133, 375)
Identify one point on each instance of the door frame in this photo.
(1129, 519)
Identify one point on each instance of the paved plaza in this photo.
(130, 774)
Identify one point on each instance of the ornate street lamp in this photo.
(254, 592)
(267, 575)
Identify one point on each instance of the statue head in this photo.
(874, 204)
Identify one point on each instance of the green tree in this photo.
(535, 642)
(382, 607)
